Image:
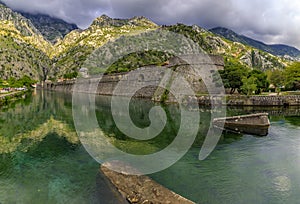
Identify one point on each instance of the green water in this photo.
(42, 160)
(243, 169)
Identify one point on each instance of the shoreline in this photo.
(6, 99)
(203, 100)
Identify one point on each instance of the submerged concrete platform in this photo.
(254, 124)
(142, 189)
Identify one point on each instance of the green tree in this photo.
(292, 76)
(12, 82)
(71, 75)
(233, 74)
(276, 77)
(2, 83)
(262, 82)
(249, 85)
(26, 81)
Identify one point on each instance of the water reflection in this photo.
(41, 159)
(28, 123)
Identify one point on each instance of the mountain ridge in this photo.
(24, 47)
(81, 43)
(53, 29)
(275, 49)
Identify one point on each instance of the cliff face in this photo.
(47, 48)
(279, 50)
(52, 29)
(260, 60)
(215, 44)
(73, 50)
(26, 50)
(22, 24)
(22, 47)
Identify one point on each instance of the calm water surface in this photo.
(42, 160)
(243, 170)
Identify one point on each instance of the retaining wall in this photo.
(292, 100)
(151, 79)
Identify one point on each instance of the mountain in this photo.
(215, 44)
(52, 29)
(279, 50)
(22, 47)
(25, 50)
(23, 25)
(73, 50)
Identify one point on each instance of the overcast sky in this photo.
(271, 21)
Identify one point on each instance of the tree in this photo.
(26, 81)
(262, 82)
(233, 74)
(249, 85)
(71, 75)
(292, 76)
(44, 74)
(1, 83)
(277, 78)
(12, 82)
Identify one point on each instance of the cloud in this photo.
(272, 21)
(81, 12)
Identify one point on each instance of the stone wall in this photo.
(150, 78)
(293, 100)
(241, 100)
(109, 82)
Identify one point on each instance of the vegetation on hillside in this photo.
(237, 77)
(12, 82)
(72, 52)
(137, 60)
(24, 52)
(279, 50)
(292, 77)
(18, 59)
(214, 44)
(52, 29)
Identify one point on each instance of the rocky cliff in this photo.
(22, 47)
(279, 50)
(52, 29)
(27, 45)
(215, 44)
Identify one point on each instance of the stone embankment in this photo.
(177, 76)
(241, 100)
(292, 100)
(152, 78)
(109, 82)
